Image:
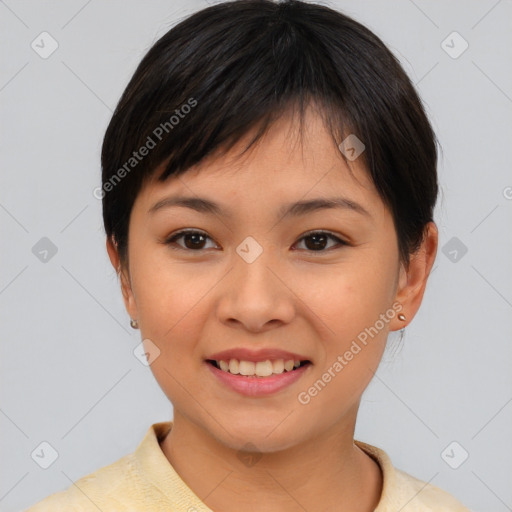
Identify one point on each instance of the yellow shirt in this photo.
(145, 481)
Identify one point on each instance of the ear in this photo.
(413, 280)
(123, 273)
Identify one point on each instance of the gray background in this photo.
(68, 373)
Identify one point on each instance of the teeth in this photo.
(247, 368)
(264, 368)
(259, 369)
(278, 366)
(233, 366)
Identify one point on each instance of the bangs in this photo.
(235, 68)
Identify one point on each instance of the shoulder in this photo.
(109, 486)
(126, 485)
(424, 497)
(401, 491)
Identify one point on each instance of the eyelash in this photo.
(176, 236)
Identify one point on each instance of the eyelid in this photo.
(340, 241)
(178, 234)
(323, 232)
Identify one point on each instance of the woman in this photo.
(269, 181)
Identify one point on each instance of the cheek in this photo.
(352, 306)
(351, 297)
(173, 310)
(167, 294)
(172, 306)
(353, 342)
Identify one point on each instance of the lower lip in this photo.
(258, 386)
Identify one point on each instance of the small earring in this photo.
(401, 317)
(134, 324)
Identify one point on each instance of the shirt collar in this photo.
(156, 470)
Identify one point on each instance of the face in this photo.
(310, 283)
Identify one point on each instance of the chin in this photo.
(264, 437)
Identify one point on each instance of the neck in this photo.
(328, 472)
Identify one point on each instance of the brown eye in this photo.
(193, 240)
(316, 241)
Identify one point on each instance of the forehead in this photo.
(284, 165)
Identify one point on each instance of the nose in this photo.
(255, 296)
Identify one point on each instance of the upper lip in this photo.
(255, 356)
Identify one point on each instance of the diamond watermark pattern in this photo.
(44, 455)
(454, 45)
(44, 250)
(249, 250)
(146, 352)
(454, 455)
(352, 147)
(249, 455)
(454, 250)
(44, 45)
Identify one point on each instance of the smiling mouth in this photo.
(265, 368)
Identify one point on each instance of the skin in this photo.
(193, 302)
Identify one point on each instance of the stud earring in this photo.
(401, 317)
(134, 324)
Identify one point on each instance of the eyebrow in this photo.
(203, 205)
